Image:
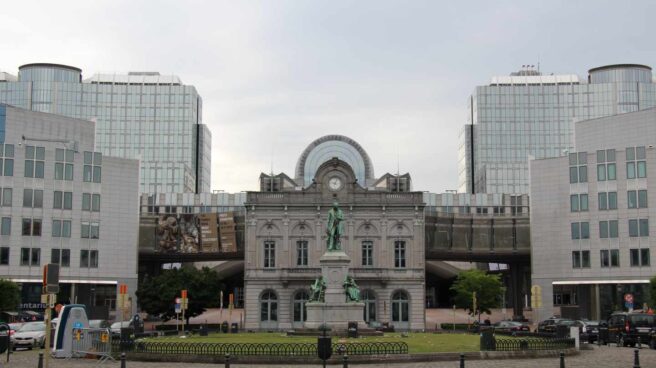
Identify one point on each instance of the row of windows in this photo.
(608, 200)
(60, 228)
(35, 163)
(636, 166)
(33, 198)
(32, 257)
(609, 229)
(302, 253)
(639, 257)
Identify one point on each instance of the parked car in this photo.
(625, 328)
(549, 325)
(511, 327)
(30, 335)
(589, 330)
(99, 323)
(13, 327)
(116, 327)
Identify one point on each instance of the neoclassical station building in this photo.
(286, 235)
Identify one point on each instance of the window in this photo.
(34, 161)
(61, 228)
(607, 200)
(581, 259)
(62, 200)
(30, 256)
(300, 310)
(606, 169)
(88, 258)
(7, 197)
(580, 230)
(639, 257)
(369, 300)
(578, 169)
(608, 229)
(91, 202)
(269, 254)
(61, 257)
(636, 166)
(578, 202)
(367, 253)
(7, 159)
(268, 307)
(399, 254)
(605, 258)
(33, 198)
(302, 253)
(5, 226)
(400, 307)
(4, 256)
(92, 168)
(31, 227)
(638, 227)
(64, 164)
(90, 230)
(636, 199)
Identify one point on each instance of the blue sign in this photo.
(628, 305)
(78, 325)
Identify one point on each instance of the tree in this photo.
(9, 295)
(157, 295)
(488, 289)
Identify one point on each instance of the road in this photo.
(599, 357)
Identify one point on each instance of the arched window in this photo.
(400, 307)
(300, 312)
(369, 300)
(269, 307)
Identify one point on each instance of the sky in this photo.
(275, 75)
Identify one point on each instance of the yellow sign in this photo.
(536, 296)
(77, 335)
(104, 337)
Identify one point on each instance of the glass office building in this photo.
(140, 115)
(530, 115)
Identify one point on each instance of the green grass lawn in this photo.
(417, 342)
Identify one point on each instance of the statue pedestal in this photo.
(334, 311)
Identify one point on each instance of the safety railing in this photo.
(519, 344)
(92, 341)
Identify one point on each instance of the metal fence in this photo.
(533, 344)
(270, 349)
(92, 341)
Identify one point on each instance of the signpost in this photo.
(536, 301)
(49, 297)
(184, 303)
(123, 300)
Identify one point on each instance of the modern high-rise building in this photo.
(140, 115)
(528, 114)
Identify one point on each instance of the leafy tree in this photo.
(9, 295)
(157, 295)
(488, 290)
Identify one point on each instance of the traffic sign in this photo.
(628, 298)
(178, 308)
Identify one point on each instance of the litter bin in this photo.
(353, 329)
(488, 342)
(224, 327)
(234, 328)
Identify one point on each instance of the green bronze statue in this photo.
(352, 290)
(335, 228)
(317, 290)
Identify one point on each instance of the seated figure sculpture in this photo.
(352, 290)
(317, 290)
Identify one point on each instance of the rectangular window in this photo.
(7, 159)
(5, 228)
(585, 230)
(90, 230)
(62, 200)
(302, 253)
(61, 228)
(269, 254)
(644, 257)
(92, 169)
(614, 257)
(93, 259)
(602, 199)
(399, 254)
(631, 199)
(644, 227)
(61, 257)
(642, 169)
(574, 202)
(84, 258)
(4, 256)
(601, 172)
(576, 259)
(367, 253)
(585, 259)
(639, 257)
(642, 199)
(7, 197)
(64, 164)
(636, 166)
(33, 198)
(578, 171)
(31, 227)
(612, 229)
(90, 202)
(634, 255)
(605, 258)
(34, 162)
(30, 256)
(633, 228)
(612, 200)
(576, 230)
(603, 229)
(630, 170)
(95, 202)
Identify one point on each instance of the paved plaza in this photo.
(599, 357)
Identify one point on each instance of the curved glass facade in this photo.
(49, 73)
(621, 73)
(326, 151)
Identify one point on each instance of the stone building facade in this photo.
(285, 237)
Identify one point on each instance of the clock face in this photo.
(335, 183)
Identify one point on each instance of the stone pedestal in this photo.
(335, 311)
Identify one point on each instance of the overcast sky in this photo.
(275, 75)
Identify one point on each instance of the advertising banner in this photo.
(209, 232)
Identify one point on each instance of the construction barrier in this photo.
(92, 341)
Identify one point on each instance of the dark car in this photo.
(625, 328)
(99, 323)
(510, 327)
(549, 325)
(589, 330)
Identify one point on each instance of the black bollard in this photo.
(462, 360)
(123, 364)
(638, 344)
(562, 359)
(40, 365)
(636, 358)
(227, 361)
(345, 361)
